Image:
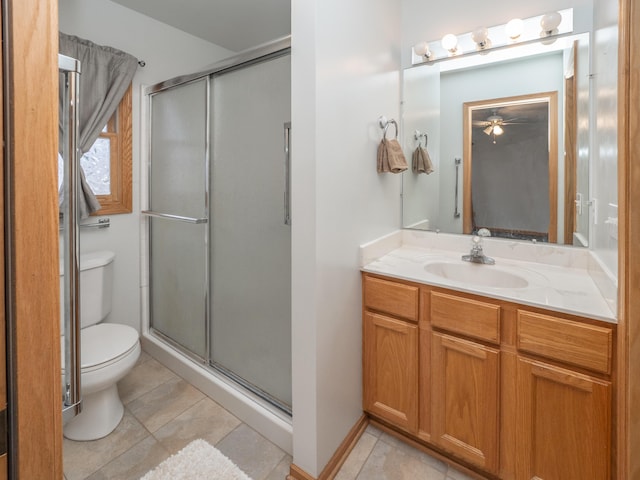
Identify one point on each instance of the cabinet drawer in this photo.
(469, 317)
(391, 297)
(580, 344)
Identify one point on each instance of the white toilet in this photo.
(108, 351)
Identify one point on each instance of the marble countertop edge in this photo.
(564, 286)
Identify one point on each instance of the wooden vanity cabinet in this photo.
(465, 400)
(563, 413)
(390, 352)
(515, 392)
(465, 377)
(564, 424)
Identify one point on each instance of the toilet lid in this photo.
(103, 343)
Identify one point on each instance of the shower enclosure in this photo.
(219, 229)
(69, 78)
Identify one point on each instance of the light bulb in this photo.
(514, 28)
(480, 36)
(422, 49)
(550, 22)
(497, 130)
(450, 43)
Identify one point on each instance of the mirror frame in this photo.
(551, 98)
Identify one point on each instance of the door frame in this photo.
(31, 237)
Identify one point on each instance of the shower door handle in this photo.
(180, 218)
(71, 398)
(287, 173)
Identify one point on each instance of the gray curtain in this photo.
(105, 76)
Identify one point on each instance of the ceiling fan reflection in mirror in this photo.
(493, 125)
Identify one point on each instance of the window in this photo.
(107, 165)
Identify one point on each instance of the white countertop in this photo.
(565, 286)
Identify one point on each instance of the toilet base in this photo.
(101, 414)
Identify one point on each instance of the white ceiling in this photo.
(233, 24)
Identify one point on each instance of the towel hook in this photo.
(384, 124)
(417, 135)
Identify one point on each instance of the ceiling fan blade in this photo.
(480, 123)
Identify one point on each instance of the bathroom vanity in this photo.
(512, 382)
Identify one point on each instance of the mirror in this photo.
(537, 95)
(510, 155)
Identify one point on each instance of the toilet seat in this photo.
(104, 344)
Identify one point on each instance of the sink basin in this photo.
(476, 274)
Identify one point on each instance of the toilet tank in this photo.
(96, 286)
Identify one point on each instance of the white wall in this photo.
(168, 52)
(345, 73)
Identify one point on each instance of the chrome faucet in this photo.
(477, 255)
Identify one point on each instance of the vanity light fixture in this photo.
(450, 43)
(483, 40)
(514, 28)
(550, 23)
(422, 49)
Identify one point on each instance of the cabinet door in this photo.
(465, 399)
(391, 370)
(564, 429)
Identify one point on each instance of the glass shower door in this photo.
(250, 238)
(178, 215)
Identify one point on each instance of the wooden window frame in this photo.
(120, 135)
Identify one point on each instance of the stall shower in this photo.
(219, 238)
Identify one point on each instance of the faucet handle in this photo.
(484, 232)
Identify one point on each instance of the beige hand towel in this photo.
(390, 157)
(421, 161)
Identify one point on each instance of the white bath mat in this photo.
(197, 461)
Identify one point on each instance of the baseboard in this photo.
(337, 460)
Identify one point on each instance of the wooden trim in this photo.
(467, 207)
(31, 41)
(4, 467)
(121, 179)
(553, 167)
(337, 460)
(628, 391)
(296, 473)
(468, 107)
(570, 138)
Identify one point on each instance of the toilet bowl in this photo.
(108, 352)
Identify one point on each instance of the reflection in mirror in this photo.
(511, 167)
(434, 97)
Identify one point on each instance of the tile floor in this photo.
(163, 413)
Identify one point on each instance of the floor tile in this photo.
(282, 469)
(162, 404)
(389, 463)
(375, 431)
(143, 378)
(144, 356)
(250, 451)
(81, 459)
(454, 474)
(357, 457)
(134, 463)
(206, 420)
(414, 452)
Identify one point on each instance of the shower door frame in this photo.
(269, 51)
